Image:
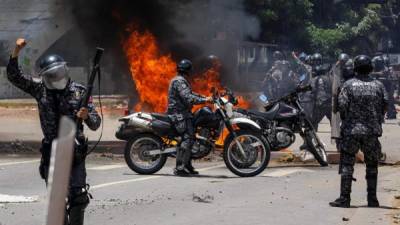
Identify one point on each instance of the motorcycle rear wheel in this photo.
(252, 143)
(138, 160)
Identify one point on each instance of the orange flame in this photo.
(152, 72)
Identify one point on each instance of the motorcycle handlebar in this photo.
(298, 90)
(305, 88)
(216, 95)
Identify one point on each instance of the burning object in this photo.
(152, 71)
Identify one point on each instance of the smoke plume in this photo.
(191, 29)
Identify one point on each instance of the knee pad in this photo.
(187, 144)
(347, 170)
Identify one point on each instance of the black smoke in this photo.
(190, 29)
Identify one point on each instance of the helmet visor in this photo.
(55, 76)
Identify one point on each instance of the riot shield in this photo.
(59, 172)
(336, 83)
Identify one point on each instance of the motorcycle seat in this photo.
(269, 115)
(162, 117)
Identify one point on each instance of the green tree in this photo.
(325, 26)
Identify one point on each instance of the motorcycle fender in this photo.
(246, 122)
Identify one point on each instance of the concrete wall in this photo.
(41, 22)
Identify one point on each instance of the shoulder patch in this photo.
(77, 94)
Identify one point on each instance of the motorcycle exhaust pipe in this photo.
(139, 122)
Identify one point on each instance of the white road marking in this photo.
(94, 187)
(18, 199)
(122, 182)
(107, 167)
(285, 172)
(20, 162)
(210, 168)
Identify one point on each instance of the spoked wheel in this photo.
(316, 148)
(247, 154)
(137, 154)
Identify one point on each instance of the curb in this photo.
(32, 147)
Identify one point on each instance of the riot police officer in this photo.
(362, 105)
(321, 91)
(341, 71)
(57, 95)
(305, 70)
(180, 102)
(279, 79)
(383, 74)
(316, 62)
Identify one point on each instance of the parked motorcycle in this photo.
(284, 118)
(151, 138)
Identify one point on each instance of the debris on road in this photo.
(345, 219)
(396, 218)
(203, 198)
(16, 146)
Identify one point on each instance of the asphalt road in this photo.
(283, 194)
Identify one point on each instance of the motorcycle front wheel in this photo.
(316, 148)
(137, 157)
(254, 158)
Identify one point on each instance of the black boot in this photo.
(191, 169)
(78, 201)
(187, 161)
(77, 215)
(345, 189)
(180, 169)
(372, 182)
(182, 172)
(304, 146)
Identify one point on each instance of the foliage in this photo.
(323, 25)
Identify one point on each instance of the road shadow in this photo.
(380, 207)
(194, 176)
(296, 166)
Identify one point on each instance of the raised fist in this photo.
(20, 43)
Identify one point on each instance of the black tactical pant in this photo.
(392, 113)
(78, 196)
(349, 146)
(184, 154)
(319, 112)
(308, 107)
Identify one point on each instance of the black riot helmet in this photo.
(386, 60)
(348, 69)
(343, 58)
(184, 66)
(303, 57)
(378, 63)
(308, 60)
(277, 55)
(363, 65)
(54, 72)
(316, 59)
